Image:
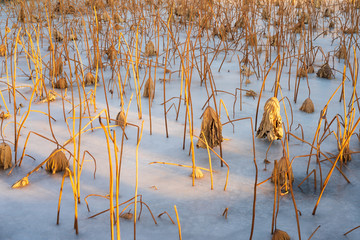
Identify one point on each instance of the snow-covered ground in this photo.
(30, 212)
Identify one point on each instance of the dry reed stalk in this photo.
(211, 129)
(271, 123)
(137, 175)
(167, 215)
(178, 222)
(307, 106)
(58, 162)
(5, 156)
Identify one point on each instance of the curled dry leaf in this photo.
(211, 129)
(5, 156)
(150, 49)
(2, 50)
(58, 69)
(149, 90)
(22, 16)
(61, 83)
(271, 123)
(246, 71)
(117, 19)
(198, 173)
(105, 17)
(127, 216)
(284, 173)
(307, 106)
(111, 53)
(120, 119)
(341, 52)
(58, 35)
(118, 27)
(57, 163)
(250, 93)
(21, 183)
(325, 72)
(280, 235)
(89, 79)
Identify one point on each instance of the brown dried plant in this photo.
(150, 49)
(2, 50)
(89, 79)
(5, 156)
(284, 174)
(307, 106)
(271, 123)
(61, 83)
(57, 163)
(149, 90)
(325, 72)
(280, 235)
(211, 129)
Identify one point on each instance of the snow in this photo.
(30, 212)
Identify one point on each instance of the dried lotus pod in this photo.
(61, 83)
(302, 72)
(2, 50)
(211, 129)
(89, 79)
(120, 119)
(307, 106)
(5, 156)
(149, 90)
(150, 49)
(271, 123)
(57, 163)
(58, 69)
(21, 183)
(280, 235)
(325, 72)
(198, 173)
(284, 173)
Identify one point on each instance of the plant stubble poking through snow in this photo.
(211, 129)
(271, 123)
(5, 156)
